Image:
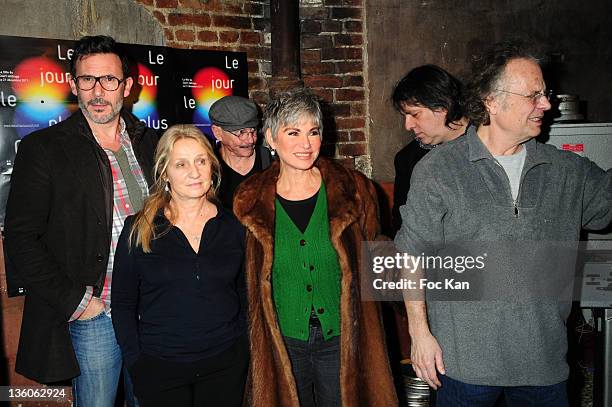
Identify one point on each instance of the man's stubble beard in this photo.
(103, 119)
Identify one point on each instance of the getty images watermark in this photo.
(405, 263)
(470, 271)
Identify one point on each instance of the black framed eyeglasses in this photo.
(243, 132)
(88, 82)
(535, 97)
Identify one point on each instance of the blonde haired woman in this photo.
(178, 285)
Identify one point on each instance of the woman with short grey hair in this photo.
(313, 341)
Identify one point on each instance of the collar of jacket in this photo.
(255, 208)
(133, 125)
(478, 151)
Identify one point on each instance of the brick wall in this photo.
(332, 56)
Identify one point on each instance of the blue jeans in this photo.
(99, 358)
(316, 362)
(454, 393)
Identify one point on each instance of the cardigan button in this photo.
(311, 267)
(99, 258)
(330, 331)
(302, 242)
(309, 288)
(321, 310)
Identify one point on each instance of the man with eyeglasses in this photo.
(497, 188)
(72, 187)
(234, 123)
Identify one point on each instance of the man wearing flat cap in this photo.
(234, 124)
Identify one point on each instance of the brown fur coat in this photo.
(365, 376)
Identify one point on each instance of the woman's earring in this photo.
(272, 152)
(167, 187)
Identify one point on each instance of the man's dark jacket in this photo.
(58, 231)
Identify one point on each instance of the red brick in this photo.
(322, 81)
(352, 80)
(340, 110)
(184, 35)
(348, 39)
(316, 41)
(353, 26)
(350, 95)
(352, 149)
(342, 136)
(146, 2)
(250, 37)
(213, 5)
(161, 17)
(332, 53)
(256, 52)
(169, 34)
(354, 53)
(325, 95)
(200, 20)
(348, 67)
(208, 36)
(340, 13)
(232, 22)
(195, 4)
(317, 68)
(310, 26)
(228, 36)
(331, 26)
(313, 13)
(166, 3)
(232, 8)
(310, 55)
(357, 135)
(341, 54)
(350, 123)
(344, 2)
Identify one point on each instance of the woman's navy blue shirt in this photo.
(174, 303)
